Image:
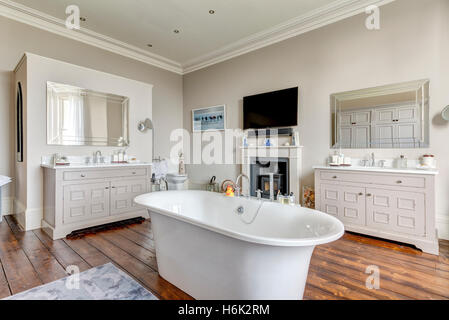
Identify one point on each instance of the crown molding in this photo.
(315, 19)
(35, 18)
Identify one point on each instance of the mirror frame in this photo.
(111, 142)
(378, 91)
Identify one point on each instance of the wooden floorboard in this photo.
(337, 270)
(90, 254)
(18, 269)
(138, 269)
(45, 264)
(65, 255)
(130, 247)
(5, 291)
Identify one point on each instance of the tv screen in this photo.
(271, 110)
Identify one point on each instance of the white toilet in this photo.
(176, 181)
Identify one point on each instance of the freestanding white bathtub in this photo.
(205, 247)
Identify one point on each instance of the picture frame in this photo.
(209, 119)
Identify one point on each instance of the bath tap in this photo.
(373, 160)
(239, 186)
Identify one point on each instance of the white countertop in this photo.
(4, 180)
(382, 170)
(97, 166)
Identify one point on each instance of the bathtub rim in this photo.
(270, 241)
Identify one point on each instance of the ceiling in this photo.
(133, 24)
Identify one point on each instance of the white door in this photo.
(407, 135)
(345, 203)
(86, 201)
(407, 114)
(396, 211)
(346, 118)
(385, 115)
(345, 138)
(361, 118)
(123, 194)
(361, 137)
(384, 135)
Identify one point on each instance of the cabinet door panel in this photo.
(398, 211)
(361, 137)
(384, 135)
(362, 118)
(345, 137)
(345, 203)
(85, 201)
(123, 194)
(407, 114)
(346, 119)
(386, 115)
(408, 134)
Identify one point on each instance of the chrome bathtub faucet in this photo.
(239, 186)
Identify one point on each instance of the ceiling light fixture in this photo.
(211, 11)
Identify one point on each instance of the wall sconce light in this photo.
(445, 113)
(144, 126)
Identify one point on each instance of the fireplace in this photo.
(265, 169)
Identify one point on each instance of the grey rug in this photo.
(106, 282)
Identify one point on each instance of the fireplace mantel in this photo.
(293, 153)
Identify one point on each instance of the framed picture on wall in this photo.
(207, 119)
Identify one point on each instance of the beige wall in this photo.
(340, 57)
(17, 38)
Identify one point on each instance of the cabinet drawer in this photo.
(389, 180)
(101, 174)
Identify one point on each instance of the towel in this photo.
(4, 180)
(160, 169)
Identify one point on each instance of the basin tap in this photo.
(97, 157)
(373, 160)
(239, 186)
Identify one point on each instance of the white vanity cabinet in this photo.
(393, 205)
(78, 198)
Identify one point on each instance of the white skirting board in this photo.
(443, 227)
(7, 205)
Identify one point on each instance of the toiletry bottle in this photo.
(155, 186)
(403, 163)
(182, 167)
(341, 159)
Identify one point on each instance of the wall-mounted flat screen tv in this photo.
(276, 109)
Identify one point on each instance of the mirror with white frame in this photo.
(392, 116)
(81, 117)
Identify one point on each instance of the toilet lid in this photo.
(174, 175)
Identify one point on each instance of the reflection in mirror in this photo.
(393, 116)
(445, 113)
(81, 117)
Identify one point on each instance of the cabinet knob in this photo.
(369, 195)
(360, 194)
(399, 182)
(83, 176)
(334, 177)
(134, 172)
(113, 187)
(107, 188)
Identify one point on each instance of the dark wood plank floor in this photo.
(337, 270)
